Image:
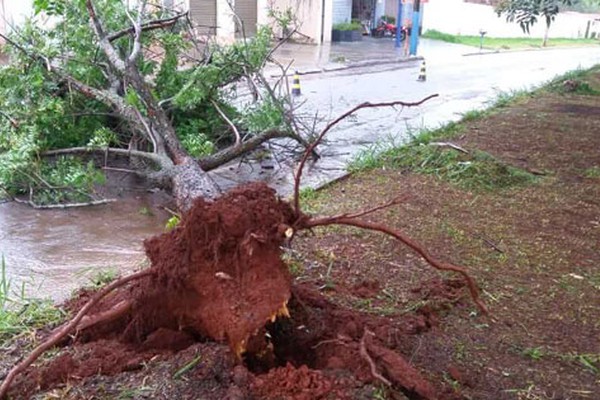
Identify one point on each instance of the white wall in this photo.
(14, 12)
(342, 11)
(312, 19)
(459, 18)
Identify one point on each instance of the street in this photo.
(463, 82)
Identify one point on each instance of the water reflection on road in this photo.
(52, 252)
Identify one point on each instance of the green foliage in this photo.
(573, 82)
(593, 172)
(347, 26)
(390, 19)
(172, 223)
(197, 145)
(527, 12)
(283, 18)
(103, 278)
(66, 180)
(262, 116)
(51, 114)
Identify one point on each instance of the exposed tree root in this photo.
(67, 328)
(365, 355)
(345, 220)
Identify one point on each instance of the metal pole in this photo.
(414, 32)
(399, 26)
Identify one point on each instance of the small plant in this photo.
(172, 223)
(535, 353)
(593, 172)
(20, 315)
(146, 211)
(104, 277)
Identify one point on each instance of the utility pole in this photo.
(414, 32)
(398, 43)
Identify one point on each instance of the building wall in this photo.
(342, 11)
(314, 17)
(458, 17)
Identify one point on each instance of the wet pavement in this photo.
(464, 79)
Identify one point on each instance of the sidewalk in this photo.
(309, 59)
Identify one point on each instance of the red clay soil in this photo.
(220, 275)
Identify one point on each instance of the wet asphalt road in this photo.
(463, 82)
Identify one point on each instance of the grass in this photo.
(19, 315)
(491, 43)
(475, 170)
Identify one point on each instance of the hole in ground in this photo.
(281, 342)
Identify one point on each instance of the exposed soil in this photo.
(533, 249)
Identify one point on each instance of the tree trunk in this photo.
(191, 182)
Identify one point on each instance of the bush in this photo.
(347, 26)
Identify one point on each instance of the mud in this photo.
(220, 276)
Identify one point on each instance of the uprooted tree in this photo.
(220, 273)
(135, 88)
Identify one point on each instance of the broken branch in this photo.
(315, 143)
(67, 328)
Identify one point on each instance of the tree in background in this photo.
(101, 85)
(527, 12)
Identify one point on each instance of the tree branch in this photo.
(163, 161)
(317, 141)
(137, 36)
(238, 138)
(148, 26)
(215, 160)
(65, 205)
(105, 44)
(10, 119)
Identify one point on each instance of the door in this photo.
(204, 16)
(246, 12)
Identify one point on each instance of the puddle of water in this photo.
(50, 253)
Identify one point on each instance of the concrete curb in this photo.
(488, 52)
(353, 65)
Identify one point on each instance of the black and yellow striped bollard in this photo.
(296, 85)
(422, 74)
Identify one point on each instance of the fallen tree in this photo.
(220, 274)
(108, 86)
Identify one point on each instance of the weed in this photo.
(573, 82)
(505, 99)
(593, 172)
(504, 43)
(535, 353)
(146, 211)
(474, 115)
(104, 277)
(20, 315)
(172, 223)
(380, 393)
(187, 367)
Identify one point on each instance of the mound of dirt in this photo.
(220, 275)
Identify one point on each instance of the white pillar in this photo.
(262, 12)
(225, 21)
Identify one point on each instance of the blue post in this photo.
(414, 32)
(399, 25)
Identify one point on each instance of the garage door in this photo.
(204, 15)
(246, 11)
